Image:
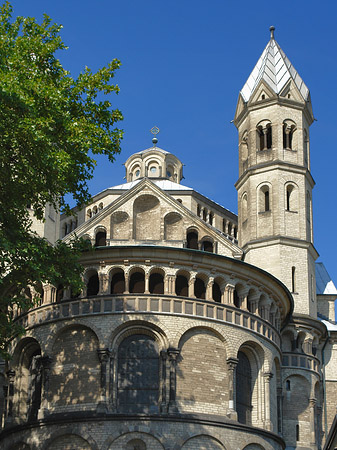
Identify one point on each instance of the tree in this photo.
(51, 128)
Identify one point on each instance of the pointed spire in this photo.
(275, 69)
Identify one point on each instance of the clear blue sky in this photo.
(184, 63)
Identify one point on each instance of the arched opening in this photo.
(288, 132)
(93, 285)
(34, 385)
(211, 218)
(117, 285)
(181, 286)
(199, 288)
(156, 283)
(264, 199)
(137, 283)
(207, 246)
(216, 292)
(59, 293)
(264, 137)
(244, 389)
(138, 374)
(100, 239)
(236, 299)
(136, 444)
(244, 207)
(198, 210)
(192, 240)
(172, 227)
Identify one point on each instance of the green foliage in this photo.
(51, 127)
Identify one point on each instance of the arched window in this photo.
(297, 432)
(100, 240)
(293, 279)
(236, 299)
(100, 206)
(216, 292)
(138, 374)
(211, 218)
(199, 288)
(264, 199)
(117, 285)
(264, 136)
(34, 386)
(59, 293)
(192, 240)
(181, 286)
(204, 214)
(288, 385)
(244, 389)
(198, 210)
(89, 213)
(207, 246)
(156, 283)
(136, 444)
(94, 210)
(288, 132)
(137, 283)
(244, 207)
(93, 285)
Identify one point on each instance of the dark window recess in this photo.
(137, 283)
(207, 246)
(266, 201)
(138, 374)
(118, 283)
(199, 288)
(192, 240)
(34, 387)
(93, 285)
(59, 293)
(156, 283)
(182, 286)
(216, 292)
(100, 239)
(243, 389)
(236, 299)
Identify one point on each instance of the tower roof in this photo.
(275, 69)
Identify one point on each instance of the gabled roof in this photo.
(166, 185)
(276, 70)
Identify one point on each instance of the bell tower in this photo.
(273, 117)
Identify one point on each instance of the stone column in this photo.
(172, 355)
(312, 404)
(48, 291)
(267, 422)
(103, 355)
(231, 364)
(103, 284)
(287, 130)
(126, 277)
(10, 413)
(264, 131)
(209, 290)
(229, 294)
(191, 287)
(45, 363)
(163, 404)
(244, 302)
(169, 284)
(147, 278)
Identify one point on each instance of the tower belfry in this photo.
(273, 117)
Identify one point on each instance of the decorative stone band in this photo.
(139, 303)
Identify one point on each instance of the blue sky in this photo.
(183, 65)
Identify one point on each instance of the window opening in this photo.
(182, 286)
(293, 279)
(244, 389)
(117, 283)
(288, 385)
(192, 240)
(199, 288)
(137, 283)
(156, 283)
(100, 240)
(93, 285)
(216, 292)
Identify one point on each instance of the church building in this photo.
(197, 329)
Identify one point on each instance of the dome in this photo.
(154, 162)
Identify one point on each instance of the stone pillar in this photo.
(103, 284)
(191, 288)
(231, 364)
(267, 421)
(209, 289)
(163, 404)
(229, 294)
(103, 355)
(169, 287)
(126, 277)
(10, 413)
(172, 355)
(48, 291)
(244, 302)
(147, 278)
(45, 363)
(264, 131)
(287, 130)
(312, 404)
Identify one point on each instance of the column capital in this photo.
(268, 376)
(10, 374)
(173, 353)
(232, 363)
(103, 354)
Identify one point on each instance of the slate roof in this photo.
(276, 70)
